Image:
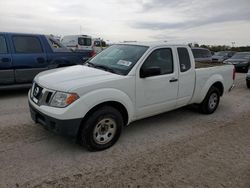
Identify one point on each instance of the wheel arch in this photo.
(216, 81)
(219, 86)
(117, 105)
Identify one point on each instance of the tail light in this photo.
(234, 73)
(92, 53)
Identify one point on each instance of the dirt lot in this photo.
(177, 149)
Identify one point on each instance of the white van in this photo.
(77, 42)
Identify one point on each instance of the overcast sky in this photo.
(176, 21)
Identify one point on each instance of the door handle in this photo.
(5, 60)
(40, 60)
(173, 80)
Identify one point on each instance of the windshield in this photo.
(201, 53)
(84, 41)
(119, 58)
(222, 53)
(241, 56)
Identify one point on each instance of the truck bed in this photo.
(206, 73)
(199, 65)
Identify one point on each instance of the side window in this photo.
(184, 59)
(3, 46)
(97, 43)
(27, 44)
(161, 58)
(104, 44)
(54, 43)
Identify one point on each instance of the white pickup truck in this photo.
(124, 83)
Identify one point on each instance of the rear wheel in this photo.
(211, 101)
(102, 129)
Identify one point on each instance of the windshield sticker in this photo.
(124, 63)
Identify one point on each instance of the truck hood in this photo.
(65, 79)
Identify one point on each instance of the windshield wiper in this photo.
(103, 67)
(89, 64)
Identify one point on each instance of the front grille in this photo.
(37, 92)
(40, 95)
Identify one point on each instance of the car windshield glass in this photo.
(241, 56)
(84, 41)
(118, 58)
(222, 53)
(200, 53)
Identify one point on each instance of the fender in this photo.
(212, 80)
(89, 100)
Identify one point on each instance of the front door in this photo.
(29, 58)
(158, 93)
(6, 69)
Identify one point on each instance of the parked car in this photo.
(202, 55)
(77, 42)
(240, 60)
(222, 56)
(124, 83)
(22, 56)
(248, 79)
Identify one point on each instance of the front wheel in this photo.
(102, 129)
(211, 101)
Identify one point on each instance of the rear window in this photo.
(104, 44)
(201, 53)
(27, 44)
(3, 46)
(84, 41)
(184, 59)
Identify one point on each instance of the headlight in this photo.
(62, 100)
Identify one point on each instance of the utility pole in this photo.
(80, 29)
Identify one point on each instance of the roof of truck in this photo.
(153, 44)
(15, 33)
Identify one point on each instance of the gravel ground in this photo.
(181, 148)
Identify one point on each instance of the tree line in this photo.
(217, 48)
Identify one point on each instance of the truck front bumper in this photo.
(63, 127)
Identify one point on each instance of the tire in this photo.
(248, 84)
(211, 101)
(101, 129)
(247, 68)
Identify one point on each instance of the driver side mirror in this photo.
(150, 71)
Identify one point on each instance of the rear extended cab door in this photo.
(158, 93)
(29, 57)
(6, 67)
(186, 75)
